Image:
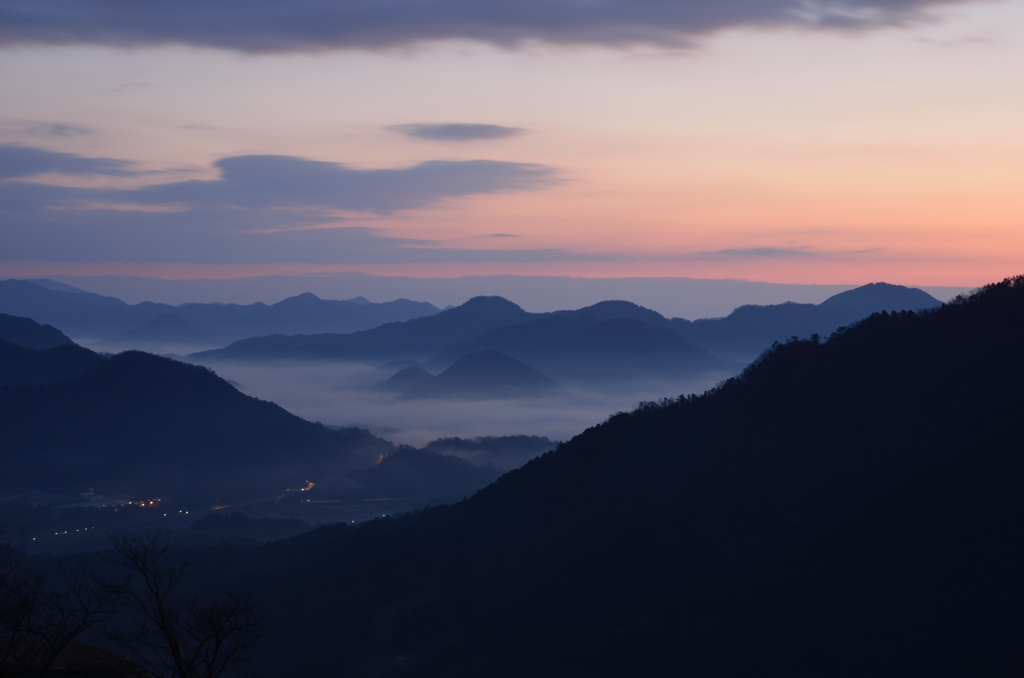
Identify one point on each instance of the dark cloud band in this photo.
(457, 131)
(309, 25)
(758, 253)
(262, 208)
(17, 161)
(277, 181)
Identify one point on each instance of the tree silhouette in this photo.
(37, 622)
(172, 636)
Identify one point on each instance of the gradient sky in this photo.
(774, 140)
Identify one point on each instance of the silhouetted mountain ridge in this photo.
(809, 517)
(415, 339)
(748, 330)
(608, 341)
(579, 346)
(143, 424)
(94, 317)
(30, 334)
(31, 353)
(22, 366)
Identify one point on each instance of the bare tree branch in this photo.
(175, 637)
(37, 623)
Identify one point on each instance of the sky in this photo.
(774, 140)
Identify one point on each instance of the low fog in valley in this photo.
(343, 394)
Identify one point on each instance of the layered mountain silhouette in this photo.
(843, 507)
(747, 331)
(140, 424)
(21, 366)
(609, 341)
(152, 325)
(169, 329)
(488, 374)
(581, 347)
(31, 353)
(416, 339)
(30, 334)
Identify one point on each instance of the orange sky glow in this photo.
(781, 156)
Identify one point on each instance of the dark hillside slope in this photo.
(20, 365)
(27, 332)
(409, 472)
(146, 425)
(841, 508)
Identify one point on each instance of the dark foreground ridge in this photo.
(844, 507)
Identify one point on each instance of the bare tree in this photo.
(173, 636)
(19, 588)
(38, 622)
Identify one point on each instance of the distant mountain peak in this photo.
(495, 303)
(488, 374)
(405, 379)
(892, 297)
(619, 309)
(304, 298)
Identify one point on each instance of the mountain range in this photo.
(115, 325)
(142, 425)
(608, 342)
(748, 330)
(847, 506)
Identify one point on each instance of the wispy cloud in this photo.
(277, 181)
(311, 25)
(58, 129)
(18, 161)
(760, 252)
(457, 131)
(780, 253)
(262, 208)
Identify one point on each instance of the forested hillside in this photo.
(808, 517)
